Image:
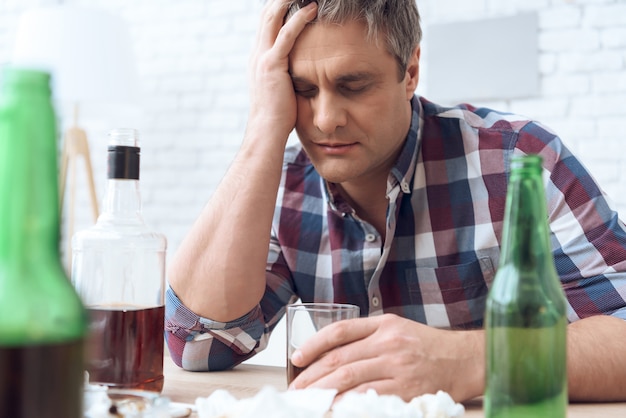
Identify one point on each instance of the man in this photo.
(392, 203)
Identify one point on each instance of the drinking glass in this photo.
(305, 319)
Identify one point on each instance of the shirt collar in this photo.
(403, 170)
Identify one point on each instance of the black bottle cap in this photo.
(123, 162)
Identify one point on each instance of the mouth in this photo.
(335, 147)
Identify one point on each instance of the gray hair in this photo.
(398, 20)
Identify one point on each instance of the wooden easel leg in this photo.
(72, 212)
(75, 146)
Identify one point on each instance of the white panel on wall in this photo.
(483, 59)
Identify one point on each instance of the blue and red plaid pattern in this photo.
(444, 226)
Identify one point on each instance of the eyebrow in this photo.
(346, 78)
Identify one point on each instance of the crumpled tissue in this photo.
(315, 403)
(303, 403)
(372, 405)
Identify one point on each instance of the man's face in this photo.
(353, 111)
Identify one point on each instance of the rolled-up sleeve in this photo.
(201, 344)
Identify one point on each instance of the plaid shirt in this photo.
(444, 227)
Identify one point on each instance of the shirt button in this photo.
(370, 237)
(375, 301)
(405, 187)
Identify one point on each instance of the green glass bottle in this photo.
(525, 322)
(42, 320)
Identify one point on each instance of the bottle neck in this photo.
(525, 238)
(122, 199)
(29, 201)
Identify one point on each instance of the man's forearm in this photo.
(596, 360)
(219, 269)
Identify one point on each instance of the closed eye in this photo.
(354, 89)
(356, 83)
(305, 91)
(303, 87)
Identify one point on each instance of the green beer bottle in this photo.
(42, 320)
(525, 322)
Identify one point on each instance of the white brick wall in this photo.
(582, 67)
(192, 59)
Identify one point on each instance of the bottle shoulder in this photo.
(526, 293)
(510, 280)
(120, 233)
(42, 307)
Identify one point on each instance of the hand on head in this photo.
(273, 99)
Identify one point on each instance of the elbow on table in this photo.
(205, 355)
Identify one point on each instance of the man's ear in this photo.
(412, 73)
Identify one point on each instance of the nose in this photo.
(328, 112)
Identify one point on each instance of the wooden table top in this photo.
(246, 380)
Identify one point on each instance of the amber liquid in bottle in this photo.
(125, 346)
(27, 391)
